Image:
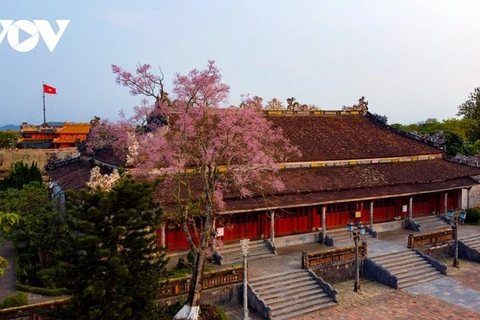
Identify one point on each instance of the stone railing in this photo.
(465, 252)
(412, 225)
(210, 280)
(332, 255)
(272, 246)
(430, 238)
(329, 290)
(31, 311)
(378, 273)
(258, 304)
(434, 262)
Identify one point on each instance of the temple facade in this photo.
(353, 167)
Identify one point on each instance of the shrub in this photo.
(43, 291)
(14, 300)
(222, 314)
(473, 215)
(191, 257)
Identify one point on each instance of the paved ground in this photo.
(455, 297)
(7, 281)
(427, 301)
(395, 304)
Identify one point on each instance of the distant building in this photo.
(52, 137)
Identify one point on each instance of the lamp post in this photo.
(455, 237)
(244, 244)
(357, 236)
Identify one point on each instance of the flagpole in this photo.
(44, 113)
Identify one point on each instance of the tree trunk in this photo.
(191, 309)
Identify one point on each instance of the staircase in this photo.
(232, 253)
(472, 241)
(290, 294)
(343, 238)
(431, 222)
(409, 267)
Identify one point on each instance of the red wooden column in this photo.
(445, 202)
(410, 208)
(371, 215)
(324, 224)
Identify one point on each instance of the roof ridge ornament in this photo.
(292, 105)
(362, 106)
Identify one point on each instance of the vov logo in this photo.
(36, 29)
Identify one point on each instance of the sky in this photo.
(411, 59)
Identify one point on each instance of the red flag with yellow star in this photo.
(49, 89)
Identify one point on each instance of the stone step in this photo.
(475, 240)
(301, 296)
(251, 253)
(286, 311)
(436, 225)
(305, 311)
(433, 221)
(404, 261)
(394, 256)
(419, 276)
(430, 221)
(281, 279)
(237, 260)
(408, 273)
(471, 244)
(475, 246)
(418, 280)
(232, 253)
(291, 293)
(414, 265)
(279, 294)
(236, 246)
(426, 218)
(283, 287)
(273, 276)
(471, 237)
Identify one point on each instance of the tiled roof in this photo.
(316, 198)
(74, 128)
(108, 156)
(345, 137)
(337, 183)
(73, 176)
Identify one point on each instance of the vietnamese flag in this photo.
(48, 89)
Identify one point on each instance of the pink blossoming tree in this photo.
(203, 149)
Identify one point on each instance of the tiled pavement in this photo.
(395, 304)
(451, 291)
(7, 281)
(378, 301)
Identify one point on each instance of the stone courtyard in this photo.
(456, 296)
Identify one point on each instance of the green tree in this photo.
(39, 230)
(111, 256)
(20, 174)
(8, 138)
(454, 144)
(462, 127)
(470, 109)
(7, 220)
